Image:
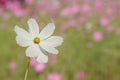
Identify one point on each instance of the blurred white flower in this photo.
(88, 26)
(38, 43)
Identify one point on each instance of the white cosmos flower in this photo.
(38, 42)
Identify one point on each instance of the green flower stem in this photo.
(27, 70)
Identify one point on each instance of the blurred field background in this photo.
(91, 31)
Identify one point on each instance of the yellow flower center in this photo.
(36, 40)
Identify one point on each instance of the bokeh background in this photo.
(91, 31)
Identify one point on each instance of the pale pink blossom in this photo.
(54, 76)
(81, 75)
(12, 67)
(17, 9)
(52, 59)
(110, 29)
(110, 11)
(39, 67)
(71, 10)
(2, 11)
(66, 12)
(98, 6)
(75, 8)
(72, 22)
(64, 26)
(6, 16)
(34, 16)
(104, 21)
(29, 1)
(86, 8)
(50, 7)
(82, 20)
(97, 36)
(33, 62)
(118, 31)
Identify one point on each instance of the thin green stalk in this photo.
(27, 70)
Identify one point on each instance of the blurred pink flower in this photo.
(75, 8)
(118, 31)
(34, 16)
(12, 67)
(98, 6)
(29, 1)
(52, 58)
(104, 21)
(81, 75)
(86, 8)
(17, 9)
(3, 3)
(64, 26)
(110, 29)
(82, 20)
(33, 62)
(72, 22)
(98, 36)
(110, 11)
(66, 12)
(50, 7)
(71, 10)
(39, 67)
(2, 11)
(54, 76)
(5, 15)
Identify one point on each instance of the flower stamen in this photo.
(36, 40)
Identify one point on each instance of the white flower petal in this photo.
(23, 38)
(53, 41)
(48, 48)
(33, 26)
(21, 32)
(33, 51)
(42, 58)
(47, 31)
(23, 41)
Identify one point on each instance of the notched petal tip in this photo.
(52, 25)
(61, 40)
(16, 28)
(31, 20)
(47, 31)
(33, 26)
